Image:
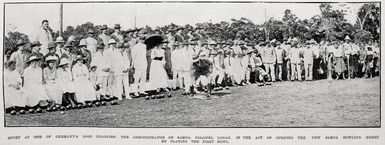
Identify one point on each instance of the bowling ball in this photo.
(183, 93)
(169, 95)
(49, 109)
(13, 112)
(97, 103)
(31, 111)
(154, 96)
(38, 110)
(147, 97)
(80, 106)
(104, 103)
(57, 106)
(68, 107)
(22, 112)
(62, 108)
(54, 108)
(90, 105)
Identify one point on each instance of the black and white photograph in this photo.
(192, 64)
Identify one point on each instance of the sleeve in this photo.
(173, 58)
(152, 54)
(133, 55)
(75, 72)
(13, 57)
(45, 76)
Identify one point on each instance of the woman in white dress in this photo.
(65, 82)
(84, 88)
(158, 75)
(13, 91)
(50, 80)
(33, 84)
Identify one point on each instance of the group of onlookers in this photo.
(117, 66)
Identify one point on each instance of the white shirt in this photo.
(91, 44)
(139, 56)
(101, 61)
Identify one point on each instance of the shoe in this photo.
(136, 94)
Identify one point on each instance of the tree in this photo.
(10, 42)
(368, 18)
(332, 22)
(289, 20)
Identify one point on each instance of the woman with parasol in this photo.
(158, 76)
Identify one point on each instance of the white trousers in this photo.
(139, 80)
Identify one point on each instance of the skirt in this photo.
(158, 75)
(35, 93)
(67, 87)
(340, 65)
(84, 90)
(54, 92)
(14, 97)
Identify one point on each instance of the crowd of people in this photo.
(54, 73)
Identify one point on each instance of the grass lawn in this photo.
(342, 103)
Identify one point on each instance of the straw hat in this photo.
(111, 41)
(20, 42)
(347, 37)
(117, 26)
(104, 27)
(33, 57)
(63, 61)
(90, 31)
(212, 42)
(78, 57)
(59, 40)
(51, 58)
(82, 42)
(35, 43)
(51, 45)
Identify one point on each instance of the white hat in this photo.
(59, 40)
(50, 58)
(111, 41)
(33, 57)
(347, 37)
(63, 61)
(83, 42)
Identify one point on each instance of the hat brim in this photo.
(47, 60)
(61, 64)
(37, 58)
(33, 45)
(20, 44)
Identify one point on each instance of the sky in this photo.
(26, 18)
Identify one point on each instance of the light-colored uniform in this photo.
(269, 57)
(139, 62)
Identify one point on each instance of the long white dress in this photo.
(84, 88)
(33, 86)
(53, 89)
(13, 96)
(158, 75)
(65, 81)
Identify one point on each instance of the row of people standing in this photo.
(113, 66)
